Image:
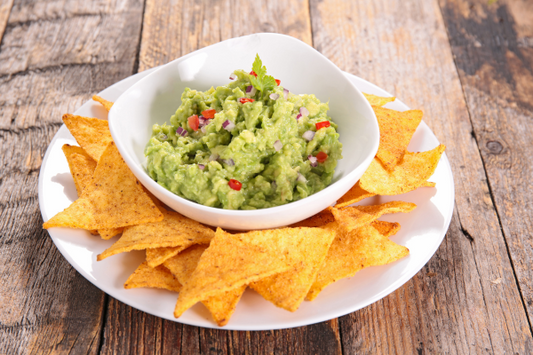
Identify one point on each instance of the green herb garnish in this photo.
(262, 82)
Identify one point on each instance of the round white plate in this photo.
(422, 232)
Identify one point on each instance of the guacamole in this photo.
(246, 145)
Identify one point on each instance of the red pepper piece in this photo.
(194, 122)
(209, 113)
(322, 124)
(321, 157)
(253, 73)
(245, 100)
(235, 184)
(278, 82)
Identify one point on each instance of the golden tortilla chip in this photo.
(159, 277)
(107, 104)
(395, 131)
(228, 264)
(113, 199)
(318, 220)
(355, 217)
(302, 248)
(220, 306)
(428, 184)
(355, 194)
(353, 251)
(378, 100)
(81, 166)
(92, 134)
(410, 174)
(386, 229)
(174, 230)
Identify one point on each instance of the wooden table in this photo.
(467, 64)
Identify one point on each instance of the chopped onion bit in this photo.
(313, 161)
(298, 116)
(285, 93)
(304, 111)
(228, 125)
(214, 157)
(308, 135)
(278, 145)
(273, 96)
(229, 162)
(250, 90)
(301, 178)
(201, 166)
(232, 76)
(181, 132)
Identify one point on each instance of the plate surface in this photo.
(422, 232)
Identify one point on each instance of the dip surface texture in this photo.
(259, 150)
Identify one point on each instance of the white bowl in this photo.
(301, 69)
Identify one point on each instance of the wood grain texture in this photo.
(5, 10)
(402, 47)
(54, 56)
(493, 51)
(173, 28)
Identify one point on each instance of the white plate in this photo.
(422, 232)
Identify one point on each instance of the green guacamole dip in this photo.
(202, 165)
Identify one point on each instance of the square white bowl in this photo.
(301, 69)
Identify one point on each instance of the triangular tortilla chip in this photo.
(157, 256)
(395, 131)
(318, 220)
(107, 104)
(353, 251)
(81, 166)
(378, 100)
(174, 230)
(302, 248)
(159, 277)
(113, 199)
(355, 194)
(411, 173)
(355, 217)
(92, 134)
(220, 306)
(228, 264)
(386, 229)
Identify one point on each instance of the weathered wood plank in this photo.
(172, 29)
(5, 10)
(493, 51)
(402, 46)
(46, 305)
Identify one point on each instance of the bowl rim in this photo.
(139, 168)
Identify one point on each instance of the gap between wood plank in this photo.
(474, 136)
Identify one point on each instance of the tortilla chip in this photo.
(302, 248)
(107, 104)
(386, 229)
(355, 194)
(318, 220)
(92, 134)
(174, 230)
(428, 184)
(395, 131)
(353, 251)
(157, 256)
(113, 199)
(378, 100)
(159, 277)
(355, 217)
(228, 264)
(410, 174)
(81, 166)
(220, 306)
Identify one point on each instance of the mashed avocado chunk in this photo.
(245, 145)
